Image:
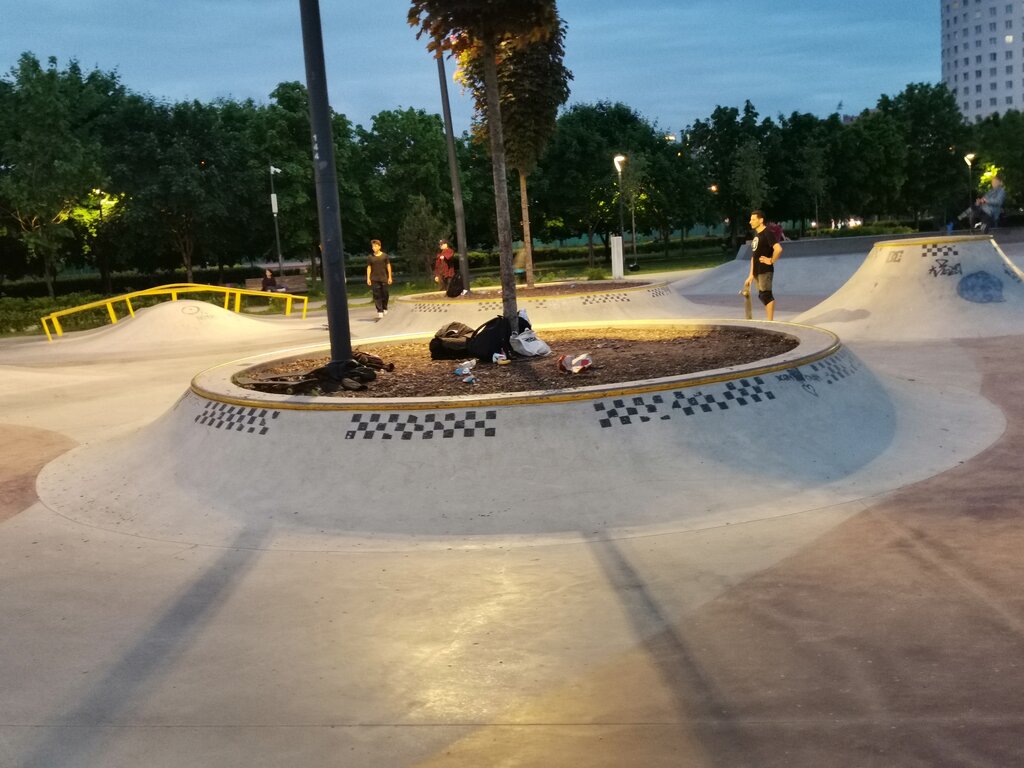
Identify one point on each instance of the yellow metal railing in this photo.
(172, 290)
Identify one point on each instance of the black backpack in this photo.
(454, 286)
(450, 342)
(493, 336)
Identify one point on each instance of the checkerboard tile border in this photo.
(410, 426)
(237, 418)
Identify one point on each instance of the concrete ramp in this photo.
(933, 288)
(182, 323)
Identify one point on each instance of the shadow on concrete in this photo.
(75, 736)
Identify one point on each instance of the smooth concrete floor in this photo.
(888, 631)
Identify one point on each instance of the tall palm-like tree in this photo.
(461, 24)
(533, 84)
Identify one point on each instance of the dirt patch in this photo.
(540, 290)
(619, 356)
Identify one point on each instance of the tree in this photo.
(715, 143)
(748, 178)
(534, 84)
(49, 152)
(999, 139)
(576, 176)
(932, 129)
(457, 24)
(401, 156)
(419, 234)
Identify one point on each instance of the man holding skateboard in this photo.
(765, 251)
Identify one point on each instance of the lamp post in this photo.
(277, 232)
(620, 161)
(969, 159)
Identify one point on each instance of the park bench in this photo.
(291, 283)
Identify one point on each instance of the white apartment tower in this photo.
(983, 55)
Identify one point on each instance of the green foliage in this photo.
(596, 273)
(419, 234)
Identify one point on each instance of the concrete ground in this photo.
(880, 626)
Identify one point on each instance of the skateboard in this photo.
(748, 309)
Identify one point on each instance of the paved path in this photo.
(886, 630)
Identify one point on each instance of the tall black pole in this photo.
(453, 171)
(326, 188)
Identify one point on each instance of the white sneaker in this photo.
(380, 315)
(385, 311)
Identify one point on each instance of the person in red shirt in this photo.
(444, 266)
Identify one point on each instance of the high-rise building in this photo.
(983, 55)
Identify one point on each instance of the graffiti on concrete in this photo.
(942, 268)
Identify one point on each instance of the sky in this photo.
(673, 61)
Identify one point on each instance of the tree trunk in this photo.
(524, 203)
(504, 223)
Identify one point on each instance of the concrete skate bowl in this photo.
(810, 428)
(931, 288)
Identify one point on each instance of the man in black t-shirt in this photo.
(378, 277)
(765, 251)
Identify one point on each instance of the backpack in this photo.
(492, 337)
(450, 342)
(454, 286)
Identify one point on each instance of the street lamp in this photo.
(620, 161)
(969, 159)
(277, 232)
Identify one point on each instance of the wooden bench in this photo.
(291, 283)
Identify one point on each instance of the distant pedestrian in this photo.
(270, 283)
(765, 251)
(444, 265)
(378, 277)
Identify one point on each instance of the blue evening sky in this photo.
(671, 60)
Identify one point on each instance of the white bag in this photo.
(528, 345)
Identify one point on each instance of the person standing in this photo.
(765, 251)
(444, 268)
(378, 277)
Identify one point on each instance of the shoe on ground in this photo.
(380, 315)
(385, 311)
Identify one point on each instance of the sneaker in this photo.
(464, 292)
(385, 311)
(380, 315)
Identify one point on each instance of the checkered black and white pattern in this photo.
(431, 306)
(836, 367)
(606, 298)
(939, 250)
(402, 426)
(644, 408)
(236, 418)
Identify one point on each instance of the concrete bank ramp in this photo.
(181, 324)
(932, 288)
(802, 276)
(802, 431)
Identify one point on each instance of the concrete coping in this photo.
(217, 384)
